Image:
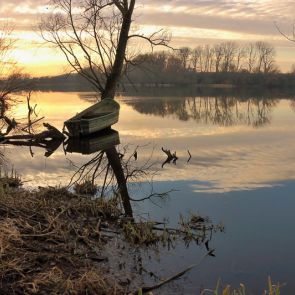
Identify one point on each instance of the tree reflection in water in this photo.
(112, 169)
(222, 110)
(292, 104)
(105, 164)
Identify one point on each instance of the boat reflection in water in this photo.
(102, 140)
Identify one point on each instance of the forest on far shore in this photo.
(227, 63)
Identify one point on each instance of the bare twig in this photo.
(190, 156)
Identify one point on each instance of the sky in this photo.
(191, 23)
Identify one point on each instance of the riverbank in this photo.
(51, 242)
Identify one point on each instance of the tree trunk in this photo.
(116, 165)
(115, 75)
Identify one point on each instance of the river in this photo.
(241, 173)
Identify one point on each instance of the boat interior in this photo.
(94, 115)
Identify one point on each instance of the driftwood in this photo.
(49, 139)
(50, 133)
(49, 145)
(170, 157)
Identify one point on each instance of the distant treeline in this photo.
(227, 63)
(226, 57)
(223, 63)
(137, 80)
(273, 80)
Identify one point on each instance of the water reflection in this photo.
(107, 163)
(50, 145)
(292, 104)
(112, 170)
(235, 174)
(102, 144)
(224, 158)
(91, 144)
(222, 110)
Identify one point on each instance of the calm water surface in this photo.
(242, 173)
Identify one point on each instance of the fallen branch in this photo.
(49, 139)
(51, 132)
(176, 276)
(170, 157)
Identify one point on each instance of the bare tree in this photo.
(184, 55)
(197, 59)
(174, 63)
(8, 73)
(11, 79)
(240, 56)
(266, 57)
(218, 56)
(251, 56)
(6, 44)
(195, 56)
(229, 51)
(94, 36)
(209, 53)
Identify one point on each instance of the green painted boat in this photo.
(99, 116)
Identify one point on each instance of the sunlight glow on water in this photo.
(241, 173)
(228, 152)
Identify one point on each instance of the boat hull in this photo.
(93, 121)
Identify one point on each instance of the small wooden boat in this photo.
(100, 116)
(90, 144)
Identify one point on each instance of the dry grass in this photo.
(86, 187)
(9, 180)
(142, 233)
(50, 243)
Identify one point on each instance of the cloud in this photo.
(239, 16)
(233, 15)
(190, 21)
(255, 17)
